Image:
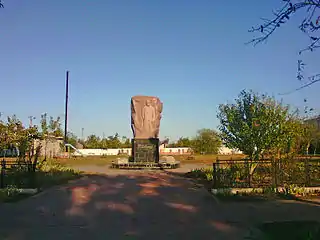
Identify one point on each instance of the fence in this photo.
(251, 174)
(16, 174)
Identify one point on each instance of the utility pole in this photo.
(30, 120)
(82, 130)
(66, 111)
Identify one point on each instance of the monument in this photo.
(145, 124)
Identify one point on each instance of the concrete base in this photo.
(28, 190)
(121, 161)
(145, 165)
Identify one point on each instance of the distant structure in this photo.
(50, 147)
(315, 120)
(163, 150)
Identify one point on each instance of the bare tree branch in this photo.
(1, 5)
(310, 25)
(313, 79)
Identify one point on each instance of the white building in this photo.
(175, 151)
(162, 149)
(228, 151)
(102, 152)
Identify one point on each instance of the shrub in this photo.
(202, 174)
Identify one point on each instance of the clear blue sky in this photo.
(191, 54)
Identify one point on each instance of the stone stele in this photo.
(145, 116)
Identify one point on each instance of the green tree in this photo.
(72, 139)
(207, 141)
(14, 135)
(308, 137)
(184, 142)
(114, 141)
(256, 124)
(49, 129)
(55, 127)
(126, 143)
(315, 142)
(93, 142)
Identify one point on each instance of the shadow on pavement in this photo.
(138, 206)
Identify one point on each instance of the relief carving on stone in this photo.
(145, 116)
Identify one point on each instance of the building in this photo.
(128, 151)
(228, 151)
(50, 147)
(174, 151)
(102, 152)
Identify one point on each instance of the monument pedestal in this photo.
(145, 150)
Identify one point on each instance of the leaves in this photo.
(207, 141)
(113, 141)
(256, 124)
(182, 142)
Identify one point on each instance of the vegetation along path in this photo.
(138, 205)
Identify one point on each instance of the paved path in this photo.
(138, 205)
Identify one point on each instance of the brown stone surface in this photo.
(145, 116)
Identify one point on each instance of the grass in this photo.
(204, 176)
(207, 159)
(49, 173)
(85, 161)
(295, 230)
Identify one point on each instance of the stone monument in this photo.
(145, 123)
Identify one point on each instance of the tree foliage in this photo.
(182, 142)
(51, 128)
(207, 141)
(311, 136)
(309, 25)
(13, 135)
(256, 124)
(113, 141)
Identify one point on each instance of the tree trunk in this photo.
(307, 148)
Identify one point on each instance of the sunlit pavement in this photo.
(138, 205)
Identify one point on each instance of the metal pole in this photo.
(66, 111)
(82, 130)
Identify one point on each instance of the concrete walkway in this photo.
(138, 205)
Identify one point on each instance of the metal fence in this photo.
(16, 174)
(268, 172)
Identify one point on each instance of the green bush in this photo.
(47, 173)
(53, 173)
(202, 174)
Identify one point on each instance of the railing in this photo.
(262, 173)
(18, 174)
